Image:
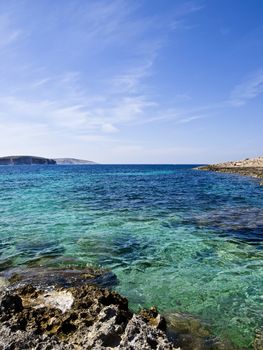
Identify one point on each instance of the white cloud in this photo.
(48, 101)
(109, 128)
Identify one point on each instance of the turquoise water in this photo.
(182, 239)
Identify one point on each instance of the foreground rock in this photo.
(86, 317)
(72, 309)
(248, 167)
(69, 310)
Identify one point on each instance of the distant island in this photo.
(33, 160)
(65, 161)
(248, 167)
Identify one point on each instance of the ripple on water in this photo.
(183, 240)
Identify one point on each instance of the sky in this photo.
(132, 81)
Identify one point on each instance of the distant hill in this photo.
(33, 160)
(65, 161)
(25, 160)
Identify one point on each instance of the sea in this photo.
(185, 240)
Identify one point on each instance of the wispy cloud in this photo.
(8, 32)
(248, 89)
(131, 80)
(189, 7)
(102, 82)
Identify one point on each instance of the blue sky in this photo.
(129, 81)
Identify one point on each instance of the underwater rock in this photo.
(3, 282)
(190, 333)
(258, 341)
(49, 277)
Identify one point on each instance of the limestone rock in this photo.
(80, 317)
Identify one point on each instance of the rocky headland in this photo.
(72, 309)
(33, 160)
(25, 160)
(247, 167)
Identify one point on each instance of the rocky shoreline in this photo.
(72, 309)
(248, 167)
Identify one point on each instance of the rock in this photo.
(45, 278)
(258, 341)
(79, 317)
(153, 318)
(190, 334)
(246, 163)
(248, 167)
(11, 304)
(140, 335)
(3, 283)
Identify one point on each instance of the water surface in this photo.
(182, 239)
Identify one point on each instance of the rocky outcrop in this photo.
(246, 163)
(71, 309)
(82, 316)
(248, 167)
(25, 160)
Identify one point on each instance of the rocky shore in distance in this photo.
(33, 160)
(247, 167)
(72, 309)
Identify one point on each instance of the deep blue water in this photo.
(182, 239)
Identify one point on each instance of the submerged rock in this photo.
(49, 278)
(78, 317)
(3, 282)
(191, 334)
(258, 341)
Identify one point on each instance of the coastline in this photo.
(62, 235)
(255, 172)
(72, 309)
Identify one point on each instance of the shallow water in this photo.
(182, 239)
